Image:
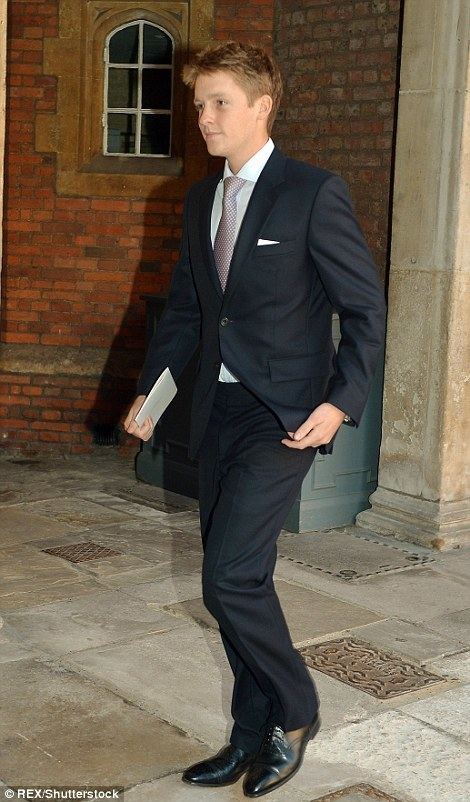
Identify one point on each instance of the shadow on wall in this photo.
(117, 385)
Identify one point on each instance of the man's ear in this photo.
(265, 104)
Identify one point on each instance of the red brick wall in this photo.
(74, 268)
(339, 62)
(41, 412)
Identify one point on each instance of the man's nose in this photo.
(205, 116)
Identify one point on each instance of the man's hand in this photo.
(319, 427)
(144, 431)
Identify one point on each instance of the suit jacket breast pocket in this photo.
(282, 249)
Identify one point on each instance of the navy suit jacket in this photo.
(272, 327)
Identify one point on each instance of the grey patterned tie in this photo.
(225, 237)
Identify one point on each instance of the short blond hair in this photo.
(251, 66)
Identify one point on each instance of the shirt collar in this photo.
(251, 170)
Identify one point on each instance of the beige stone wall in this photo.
(455, 482)
(424, 478)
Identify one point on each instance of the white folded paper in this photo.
(162, 392)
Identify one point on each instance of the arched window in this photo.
(138, 90)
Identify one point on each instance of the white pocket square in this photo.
(268, 242)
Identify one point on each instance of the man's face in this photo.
(230, 126)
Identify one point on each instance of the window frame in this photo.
(138, 111)
(72, 132)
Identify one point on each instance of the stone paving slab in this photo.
(153, 541)
(409, 640)
(342, 704)
(12, 647)
(156, 497)
(97, 619)
(18, 525)
(457, 666)
(73, 732)
(417, 596)
(16, 493)
(362, 792)
(120, 564)
(29, 577)
(122, 505)
(183, 677)
(61, 589)
(397, 753)
(74, 511)
(188, 520)
(167, 591)
(449, 712)
(164, 523)
(165, 569)
(455, 624)
(348, 553)
(309, 615)
(323, 779)
(455, 564)
(172, 789)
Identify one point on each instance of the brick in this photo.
(49, 437)
(15, 337)
(110, 205)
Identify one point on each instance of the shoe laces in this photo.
(272, 738)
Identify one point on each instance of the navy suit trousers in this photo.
(248, 482)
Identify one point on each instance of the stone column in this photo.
(3, 69)
(423, 482)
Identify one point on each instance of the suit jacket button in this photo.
(217, 364)
(224, 321)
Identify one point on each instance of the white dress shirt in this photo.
(250, 172)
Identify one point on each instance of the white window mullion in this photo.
(105, 101)
(138, 122)
(172, 76)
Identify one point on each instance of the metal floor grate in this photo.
(374, 671)
(79, 552)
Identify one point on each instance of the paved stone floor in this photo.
(113, 673)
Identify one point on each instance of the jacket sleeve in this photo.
(178, 331)
(353, 286)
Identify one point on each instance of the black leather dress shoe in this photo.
(278, 759)
(224, 768)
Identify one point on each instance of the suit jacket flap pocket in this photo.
(302, 366)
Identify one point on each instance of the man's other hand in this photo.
(144, 431)
(318, 429)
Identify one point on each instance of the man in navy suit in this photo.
(270, 246)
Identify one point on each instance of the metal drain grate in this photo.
(374, 671)
(79, 552)
(362, 792)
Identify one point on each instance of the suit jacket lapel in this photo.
(204, 233)
(262, 200)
